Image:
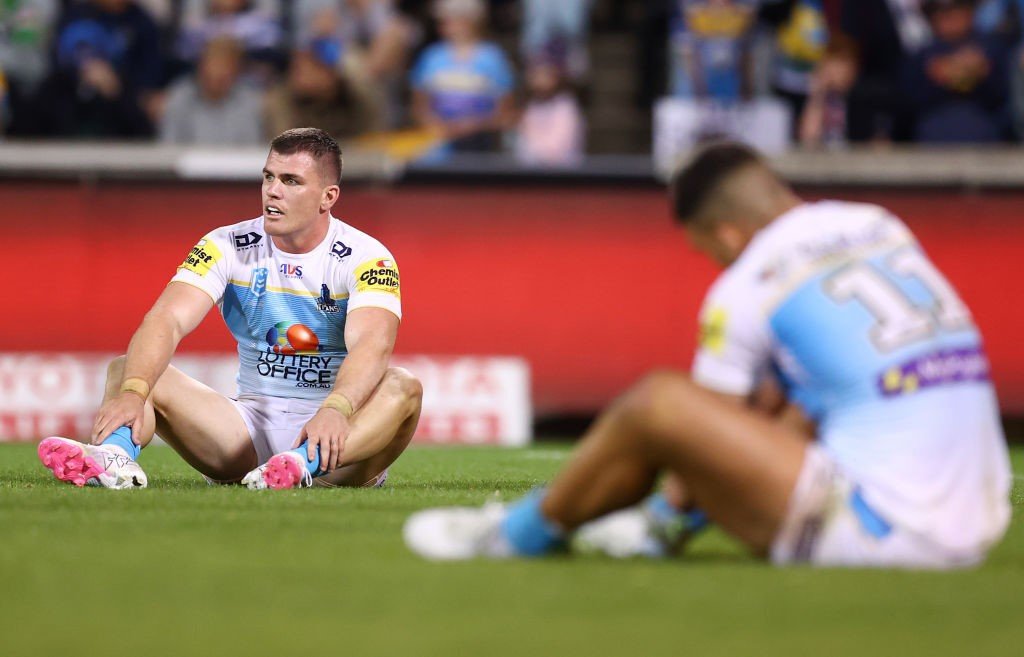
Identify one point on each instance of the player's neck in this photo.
(305, 240)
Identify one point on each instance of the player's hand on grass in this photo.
(328, 429)
(127, 409)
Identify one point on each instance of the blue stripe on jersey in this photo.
(831, 363)
(288, 345)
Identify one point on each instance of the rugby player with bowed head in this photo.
(886, 449)
(315, 307)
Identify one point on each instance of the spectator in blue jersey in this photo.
(462, 85)
(959, 83)
(107, 68)
(710, 46)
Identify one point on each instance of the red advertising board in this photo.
(591, 285)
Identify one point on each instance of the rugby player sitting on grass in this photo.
(896, 457)
(314, 305)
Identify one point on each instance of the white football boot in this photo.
(621, 535)
(93, 465)
(456, 533)
(284, 470)
(639, 531)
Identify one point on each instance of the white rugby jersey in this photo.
(840, 303)
(287, 310)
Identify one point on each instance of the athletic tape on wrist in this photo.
(340, 403)
(137, 386)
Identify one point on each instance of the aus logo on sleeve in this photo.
(203, 256)
(378, 276)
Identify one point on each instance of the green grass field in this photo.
(186, 569)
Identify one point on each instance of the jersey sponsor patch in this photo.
(378, 276)
(712, 329)
(203, 256)
(246, 241)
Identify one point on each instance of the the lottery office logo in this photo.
(293, 354)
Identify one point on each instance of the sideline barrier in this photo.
(893, 166)
(467, 400)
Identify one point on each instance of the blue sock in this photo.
(528, 531)
(122, 437)
(664, 514)
(312, 466)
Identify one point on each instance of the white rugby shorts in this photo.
(273, 422)
(829, 523)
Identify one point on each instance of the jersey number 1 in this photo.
(898, 321)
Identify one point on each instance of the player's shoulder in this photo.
(349, 240)
(819, 235)
(783, 248)
(827, 221)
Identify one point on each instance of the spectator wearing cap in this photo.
(107, 67)
(214, 106)
(958, 84)
(462, 85)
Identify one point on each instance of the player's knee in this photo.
(661, 385)
(402, 384)
(654, 392)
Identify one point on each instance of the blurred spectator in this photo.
(325, 87)
(565, 21)
(462, 86)
(823, 120)
(214, 106)
(959, 83)
(383, 36)
(243, 20)
(25, 30)
(551, 130)
(881, 35)
(801, 38)
(710, 53)
(106, 68)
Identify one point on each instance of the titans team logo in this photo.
(292, 339)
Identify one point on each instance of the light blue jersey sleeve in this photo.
(429, 62)
(496, 67)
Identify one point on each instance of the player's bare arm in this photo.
(176, 313)
(370, 334)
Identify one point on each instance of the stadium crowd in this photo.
(505, 74)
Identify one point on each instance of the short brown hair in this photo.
(695, 183)
(318, 144)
